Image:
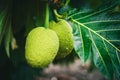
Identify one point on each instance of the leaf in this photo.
(98, 28)
(104, 52)
(82, 43)
(1, 19)
(101, 57)
(8, 37)
(5, 24)
(87, 14)
(108, 27)
(2, 22)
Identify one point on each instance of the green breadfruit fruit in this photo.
(41, 47)
(64, 32)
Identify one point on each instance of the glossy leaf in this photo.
(96, 32)
(104, 53)
(82, 43)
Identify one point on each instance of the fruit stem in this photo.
(57, 16)
(47, 16)
(67, 2)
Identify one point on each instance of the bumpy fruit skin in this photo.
(64, 32)
(41, 47)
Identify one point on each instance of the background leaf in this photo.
(5, 30)
(36, 16)
(8, 38)
(2, 23)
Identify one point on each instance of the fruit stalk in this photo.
(57, 16)
(47, 15)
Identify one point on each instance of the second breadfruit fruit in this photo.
(64, 32)
(41, 47)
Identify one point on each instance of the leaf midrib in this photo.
(95, 33)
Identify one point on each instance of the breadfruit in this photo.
(41, 47)
(64, 32)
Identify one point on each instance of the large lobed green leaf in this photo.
(96, 32)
